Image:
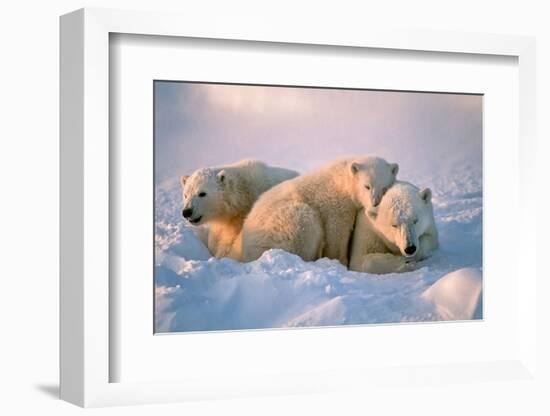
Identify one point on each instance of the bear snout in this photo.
(410, 250)
(187, 212)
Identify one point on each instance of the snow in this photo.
(457, 295)
(197, 293)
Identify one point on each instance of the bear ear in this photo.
(372, 214)
(221, 176)
(354, 167)
(426, 194)
(394, 169)
(183, 179)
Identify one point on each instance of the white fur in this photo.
(313, 215)
(221, 197)
(403, 219)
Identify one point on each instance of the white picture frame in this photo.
(86, 356)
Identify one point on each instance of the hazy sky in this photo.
(199, 125)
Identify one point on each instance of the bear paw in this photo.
(382, 263)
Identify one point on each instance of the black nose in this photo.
(410, 250)
(187, 212)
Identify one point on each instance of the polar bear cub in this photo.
(399, 233)
(313, 215)
(221, 197)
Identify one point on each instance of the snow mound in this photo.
(280, 290)
(457, 295)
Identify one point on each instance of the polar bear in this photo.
(221, 197)
(313, 215)
(400, 232)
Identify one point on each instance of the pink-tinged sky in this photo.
(199, 125)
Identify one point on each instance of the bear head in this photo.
(404, 214)
(373, 177)
(203, 195)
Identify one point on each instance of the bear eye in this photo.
(202, 194)
(394, 225)
(367, 187)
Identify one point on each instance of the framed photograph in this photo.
(256, 212)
